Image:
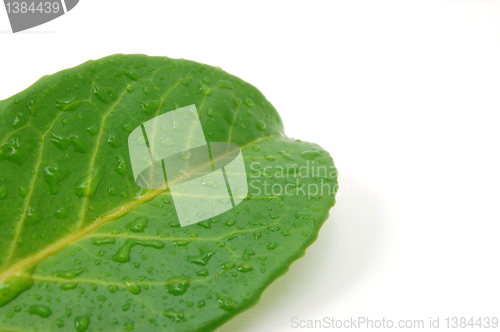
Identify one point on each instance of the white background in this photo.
(405, 95)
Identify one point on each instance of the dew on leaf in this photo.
(68, 285)
(53, 174)
(68, 274)
(40, 310)
(285, 155)
(225, 301)
(113, 288)
(14, 285)
(228, 265)
(202, 259)
(261, 125)
(87, 186)
(177, 285)
(310, 154)
(245, 267)
(174, 315)
(61, 213)
(167, 142)
(205, 90)
(138, 225)
(98, 241)
(249, 102)
(82, 323)
(132, 286)
(123, 254)
(32, 216)
(272, 246)
(202, 273)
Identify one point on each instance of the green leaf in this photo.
(85, 248)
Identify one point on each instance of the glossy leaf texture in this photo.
(86, 249)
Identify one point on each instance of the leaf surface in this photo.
(85, 248)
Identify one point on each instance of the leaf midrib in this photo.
(121, 211)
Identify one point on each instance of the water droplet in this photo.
(113, 288)
(62, 104)
(53, 174)
(93, 130)
(202, 259)
(78, 143)
(82, 323)
(256, 148)
(105, 95)
(230, 222)
(61, 213)
(126, 306)
(174, 315)
(177, 285)
(302, 215)
(310, 154)
(69, 274)
(202, 273)
(19, 121)
(99, 241)
(284, 155)
(186, 155)
(228, 265)
(32, 217)
(132, 286)
(113, 141)
(247, 253)
(122, 165)
(128, 127)
(128, 326)
(123, 254)
(40, 310)
(261, 125)
(15, 151)
(182, 243)
(269, 157)
(138, 225)
(112, 190)
(205, 90)
(68, 285)
(186, 81)
(88, 184)
(14, 285)
(272, 246)
(249, 102)
(245, 267)
(132, 75)
(208, 181)
(225, 84)
(176, 125)
(167, 142)
(150, 107)
(102, 298)
(226, 302)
